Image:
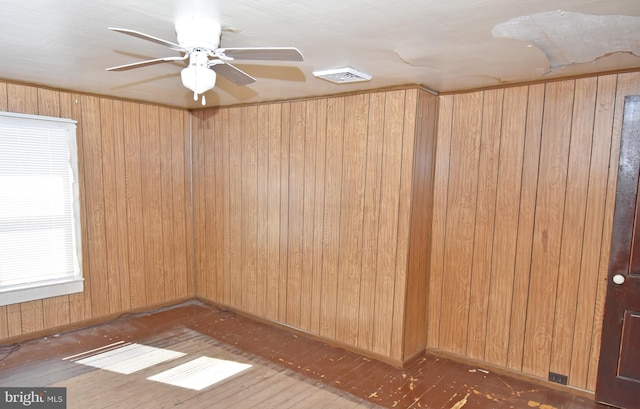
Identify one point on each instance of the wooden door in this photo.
(619, 369)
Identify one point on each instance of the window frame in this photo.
(13, 294)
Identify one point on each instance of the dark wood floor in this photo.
(288, 370)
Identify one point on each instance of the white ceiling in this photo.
(445, 45)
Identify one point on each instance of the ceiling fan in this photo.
(198, 41)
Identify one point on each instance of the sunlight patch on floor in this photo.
(200, 373)
(130, 358)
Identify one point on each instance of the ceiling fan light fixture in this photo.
(197, 76)
(198, 79)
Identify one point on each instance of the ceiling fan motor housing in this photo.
(198, 33)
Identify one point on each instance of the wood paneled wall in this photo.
(135, 196)
(523, 205)
(308, 213)
(302, 214)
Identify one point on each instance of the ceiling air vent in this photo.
(342, 75)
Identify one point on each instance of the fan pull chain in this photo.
(204, 100)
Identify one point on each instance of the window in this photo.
(39, 208)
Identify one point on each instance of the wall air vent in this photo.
(342, 75)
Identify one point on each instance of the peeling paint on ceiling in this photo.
(568, 38)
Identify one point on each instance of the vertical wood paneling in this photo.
(573, 224)
(121, 205)
(96, 238)
(249, 205)
(22, 99)
(151, 196)
(111, 166)
(592, 239)
(406, 192)
(3, 96)
(309, 200)
(56, 311)
(420, 234)
(318, 235)
(526, 217)
(218, 206)
(332, 205)
(262, 170)
(506, 223)
(463, 173)
(112, 267)
(48, 102)
(273, 211)
(283, 272)
(295, 231)
(32, 316)
(387, 226)
(79, 303)
(552, 230)
(14, 320)
(133, 182)
(166, 194)
(208, 282)
(235, 208)
(351, 218)
(485, 219)
(440, 206)
(545, 258)
(320, 205)
(199, 195)
(225, 191)
(373, 172)
(189, 285)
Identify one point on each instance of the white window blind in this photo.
(39, 212)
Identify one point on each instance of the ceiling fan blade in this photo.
(145, 63)
(148, 37)
(233, 74)
(263, 53)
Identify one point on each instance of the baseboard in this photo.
(511, 373)
(334, 343)
(92, 322)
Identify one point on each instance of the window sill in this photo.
(37, 291)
